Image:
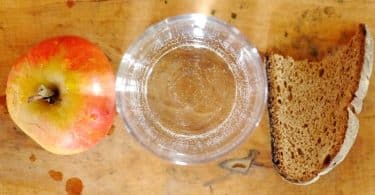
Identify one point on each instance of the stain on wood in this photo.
(70, 3)
(32, 158)
(74, 186)
(111, 130)
(55, 175)
(213, 12)
(286, 34)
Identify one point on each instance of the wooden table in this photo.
(119, 165)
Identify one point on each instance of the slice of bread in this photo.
(313, 105)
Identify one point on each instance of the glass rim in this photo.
(165, 153)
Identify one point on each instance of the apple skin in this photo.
(84, 79)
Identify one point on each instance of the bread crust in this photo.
(353, 108)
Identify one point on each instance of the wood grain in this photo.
(119, 165)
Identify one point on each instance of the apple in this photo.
(61, 93)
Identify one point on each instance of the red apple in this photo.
(61, 94)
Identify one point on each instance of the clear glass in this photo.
(202, 35)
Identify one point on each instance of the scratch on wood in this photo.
(261, 164)
(369, 116)
(240, 165)
(236, 166)
(217, 179)
(211, 189)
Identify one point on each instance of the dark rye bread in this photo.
(313, 106)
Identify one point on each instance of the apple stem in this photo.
(45, 94)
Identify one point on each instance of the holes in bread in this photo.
(299, 151)
(342, 94)
(319, 140)
(292, 154)
(327, 160)
(290, 88)
(305, 125)
(279, 101)
(290, 97)
(338, 99)
(276, 161)
(321, 72)
(278, 89)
